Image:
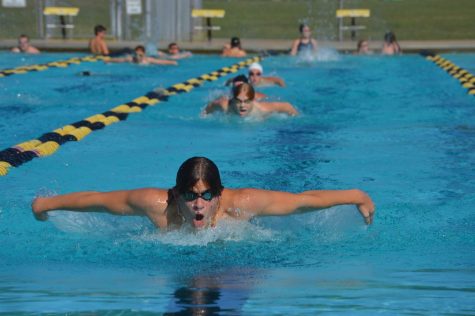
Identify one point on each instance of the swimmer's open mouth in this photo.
(199, 217)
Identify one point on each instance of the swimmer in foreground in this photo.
(255, 77)
(141, 58)
(199, 200)
(97, 45)
(244, 104)
(305, 43)
(24, 46)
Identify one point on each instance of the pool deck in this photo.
(250, 45)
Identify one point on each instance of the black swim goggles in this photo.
(191, 196)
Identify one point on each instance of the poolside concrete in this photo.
(250, 45)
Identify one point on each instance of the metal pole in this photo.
(39, 22)
(119, 20)
(148, 19)
(113, 18)
(340, 24)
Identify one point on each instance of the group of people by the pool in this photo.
(98, 45)
(198, 199)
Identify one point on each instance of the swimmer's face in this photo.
(306, 32)
(254, 76)
(23, 42)
(199, 206)
(241, 105)
(173, 50)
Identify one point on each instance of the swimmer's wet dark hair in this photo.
(246, 88)
(140, 47)
(195, 169)
(389, 37)
(99, 28)
(301, 27)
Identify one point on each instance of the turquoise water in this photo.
(399, 128)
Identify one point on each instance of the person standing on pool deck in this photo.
(244, 104)
(97, 45)
(199, 200)
(304, 44)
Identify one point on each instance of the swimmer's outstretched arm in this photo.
(157, 61)
(142, 202)
(127, 59)
(280, 107)
(263, 202)
(276, 80)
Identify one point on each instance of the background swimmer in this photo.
(390, 46)
(233, 49)
(244, 104)
(256, 78)
(141, 58)
(97, 45)
(24, 46)
(304, 44)
(174, 52)
(362, 48)
(198, 200)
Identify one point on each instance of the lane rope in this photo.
(54, 64)
(49, 143)
(466, 79)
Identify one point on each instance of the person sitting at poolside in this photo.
(141, 58)
(24, 46)
(305, 43)
(256, 78)
(97, 45)
(362, 48)
(233, 49)
(199, 200)
(174, 52)
(390, 45)
(244, 104)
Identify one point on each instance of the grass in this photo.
(279, 19)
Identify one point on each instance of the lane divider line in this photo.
(49, 143)
(466, 79)
(53, 64)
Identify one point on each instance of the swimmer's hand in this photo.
(366, 208)
(36, 208)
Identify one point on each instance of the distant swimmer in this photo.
(198, 200)
(141, 58)
(233, 49)
(390, 45)
(97, 45)
(304, 44)
(174, 52)
(244, 104)
(362, 48)
(24, 46)
(257, 79)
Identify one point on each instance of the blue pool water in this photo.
(399, 128)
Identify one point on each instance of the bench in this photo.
(353, 14)
(62, 13)
(208, 14)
